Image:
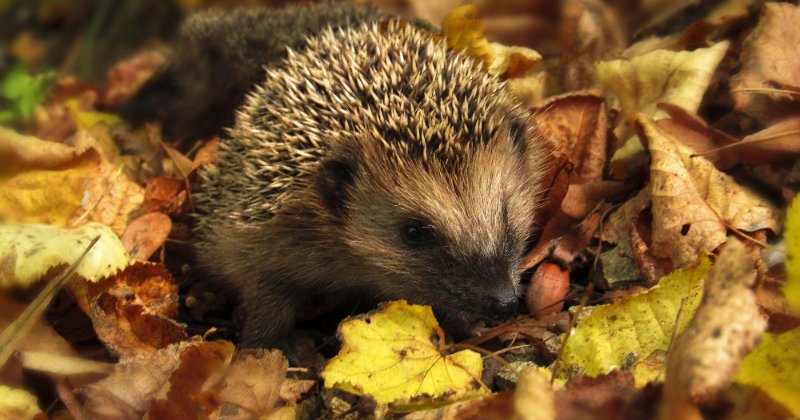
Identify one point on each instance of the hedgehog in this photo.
(219, 56)
(374, 163)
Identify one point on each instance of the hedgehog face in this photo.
(447, 234)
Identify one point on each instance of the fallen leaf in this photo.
(534, 397)
(165, 194)
(768, 86)
(704, 357)
(29, 251)
(465, 33)
(792, 236)
(146, 234)
(774, 367)
(576, 123)
(61, 185)
(605, 396)
(693, 203)
(680, 78)
(589, 32)
(635, 325)
(18, 404)
(389, 354)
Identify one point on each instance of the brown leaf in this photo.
(589, 32)
(146, 234)
(139, 379)
(727, 324)
(165, 194)
(577, 124)
(125, 78)
(693, 203)
(768, 86)
(129, 329)
(590, 398)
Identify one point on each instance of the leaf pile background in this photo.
(662, 280)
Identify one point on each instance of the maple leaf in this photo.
(388, 353)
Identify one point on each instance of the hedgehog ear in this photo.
(336, 176)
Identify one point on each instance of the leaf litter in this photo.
(673, 135)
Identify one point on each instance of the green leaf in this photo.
(22, 92)
(792, 235)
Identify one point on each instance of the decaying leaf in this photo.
(577, 123)
(725, 327)
(56, 184)
(768, 86)
(394, 355)
(146, 234)
(693, 204)
(637, 325)
(27, 252)
(680, 78)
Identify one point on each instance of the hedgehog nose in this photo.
(504, 305)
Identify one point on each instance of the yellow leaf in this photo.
(792, 234)
(85, 120)
(693, 203)
(27, 252)
(389, 354)
(680, 78)
(637, 325)
(774, 366)
(55, 184)
(17, 404)
(465, 33)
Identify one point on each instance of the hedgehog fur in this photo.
(374, 162)
(220, 55)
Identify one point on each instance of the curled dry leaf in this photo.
(534, 398)
(680, 78)
(146, 234)
(577, 123)
(726, 326)
(148, 284)
(768, 86)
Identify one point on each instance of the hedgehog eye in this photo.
(415, 233)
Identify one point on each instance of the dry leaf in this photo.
(726, 326)
(146, 234)
(768, 86)
(693, 204)
(577, 123)
(589, 32)
(680, 78)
